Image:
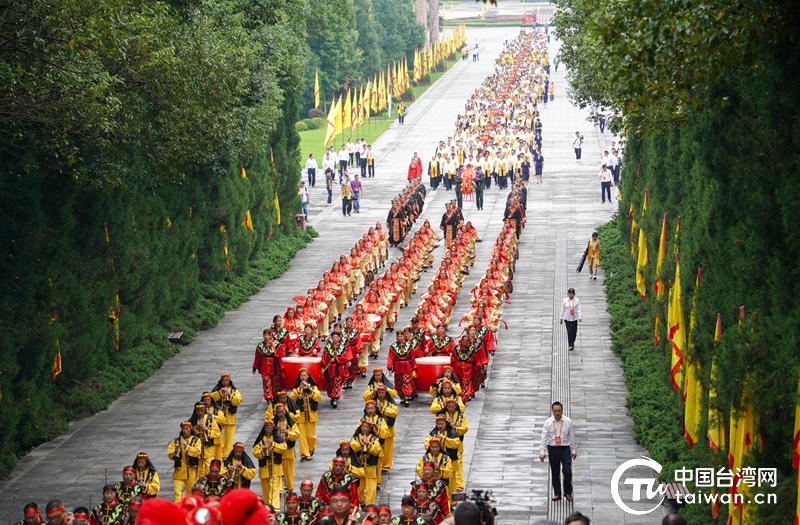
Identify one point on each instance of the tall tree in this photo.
(368, 43)
(399, 31)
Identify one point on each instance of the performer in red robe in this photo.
(268, 363)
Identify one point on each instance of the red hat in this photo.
(215, 463)
(377, 369)
(441, 418)
(451, 402)
(429, 464)
(242, 507)
(338, 460)
(238, 446)
(307, 483)
(293, 497)
(434, 439)
(344, 443)
(128, 469)
(370, 402)
(225, 375)
(50, 512)
(186, 424)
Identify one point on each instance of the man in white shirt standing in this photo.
(344, 159)
(558, 442)
(351, 151)
(304, 197)
(311, 170)
(571, 314)
(577, 144)
(605, 183)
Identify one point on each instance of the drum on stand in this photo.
(292, 366)
(428, 371)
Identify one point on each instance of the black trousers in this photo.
(615, 173)
(560, 460)
(479, 200)
(363, 165)
(371, 169)
(577, 153)
(342, 168)
(605, 188)
(347, 206)
(312, 177)
(572, 331)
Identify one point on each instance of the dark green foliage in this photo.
(356, 39)
(712, 114)
(165, 255)
(310, 124)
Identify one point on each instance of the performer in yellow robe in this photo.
(229, 397)
(185, 452)
(307, 396)
(268, 449)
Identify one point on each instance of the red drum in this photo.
(292, 366)
(366, 341)
(428, 371)
(374, 319)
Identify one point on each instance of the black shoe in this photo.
(335, 404)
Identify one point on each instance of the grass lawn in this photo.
(312, 141)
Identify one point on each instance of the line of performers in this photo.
(500, 131)
(405, 210)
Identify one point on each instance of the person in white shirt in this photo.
(329, 160)
(344, 158)
(613, 165)
(311, 170)
(558, 442)
(605, 183)
(577, 144)
(304, 197)
(351, 151)
(571, 314)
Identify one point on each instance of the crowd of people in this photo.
(495, 142)
(498, 139)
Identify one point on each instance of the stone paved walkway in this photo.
(501, 448)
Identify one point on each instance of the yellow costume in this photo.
(268, 450)
(229, 397)
(185, 452)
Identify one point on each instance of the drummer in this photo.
(334, 363)
(267, 362)
(307, 396)
(401, 361)
(293, 323)
(352, 336)
(367, 331)
(308, 344)
(440, 343)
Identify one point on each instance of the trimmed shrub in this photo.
(310, 123)
(320, 122)
(300, 126)
(316, 113)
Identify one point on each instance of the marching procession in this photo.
(342, 333)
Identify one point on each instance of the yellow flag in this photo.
(382, 93)
(662, 253)
(641, 262)
(277, 209)
(374, 94)
(332, 120)
(339, 117)
(416, 66)
(347, 117)
(56, 363)
(242, 171)
(676, 330)
(643, 255)
(248, 221)
(316, 90)
(367, 98)
(693, 389)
